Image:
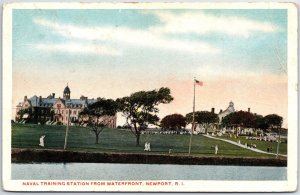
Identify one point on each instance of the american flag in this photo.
(198, 82)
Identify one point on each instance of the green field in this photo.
(117, 140)
(261, 145)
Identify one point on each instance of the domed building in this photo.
(55, 110)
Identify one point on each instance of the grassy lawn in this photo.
(261, 145)
(116, 140)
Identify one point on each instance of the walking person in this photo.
(42, 144)
(216, 149)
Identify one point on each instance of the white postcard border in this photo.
(189, 185)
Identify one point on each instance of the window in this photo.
(62, 112)
(67, 112)
(58, 105)
(74, 112)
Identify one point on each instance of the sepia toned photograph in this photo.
(150, 97)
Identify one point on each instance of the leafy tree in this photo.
(226, 121)
(97, 115)
(140, 109)
(202, 117)
(173, 122)
(240, 118)
(273, 121)
(22, 112)
(260, 123)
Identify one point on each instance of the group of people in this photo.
(250, 145)
(147, 147)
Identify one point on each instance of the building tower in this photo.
(67, 93)
(231, 107)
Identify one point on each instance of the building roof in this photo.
(78, 103)
(50, 101)
(34, 101)
(229, 109)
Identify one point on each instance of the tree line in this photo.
(141, 109)
(236, 119)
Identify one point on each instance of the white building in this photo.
(228, 110)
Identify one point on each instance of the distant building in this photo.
(228, 110)
(57, 110)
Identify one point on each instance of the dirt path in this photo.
(243, 146)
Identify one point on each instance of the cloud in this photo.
(71, 47)
(128, 36)
(202, 23)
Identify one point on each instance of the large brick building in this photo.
(55, 110)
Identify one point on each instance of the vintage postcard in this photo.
(150, 97)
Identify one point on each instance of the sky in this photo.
(240, 55)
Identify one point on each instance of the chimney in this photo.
(212, 110)
(40, 100)
(221, 110)
(25, 98)
(53, 95)
(248, 109)
(83, 97)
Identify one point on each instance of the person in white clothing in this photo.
(216, 149)
(146, 146)
(42, 141)
(149, 148)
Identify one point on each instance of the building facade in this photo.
(230, 109)
(55, 110)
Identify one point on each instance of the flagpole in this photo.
(193, 123)
(67, 129)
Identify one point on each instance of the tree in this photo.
(273, 121)
(240, 118)
(97, 116)
(226, 121)
(140, 109)
(28, 112)
(260, 123)
(203, 117)
(173, 122)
